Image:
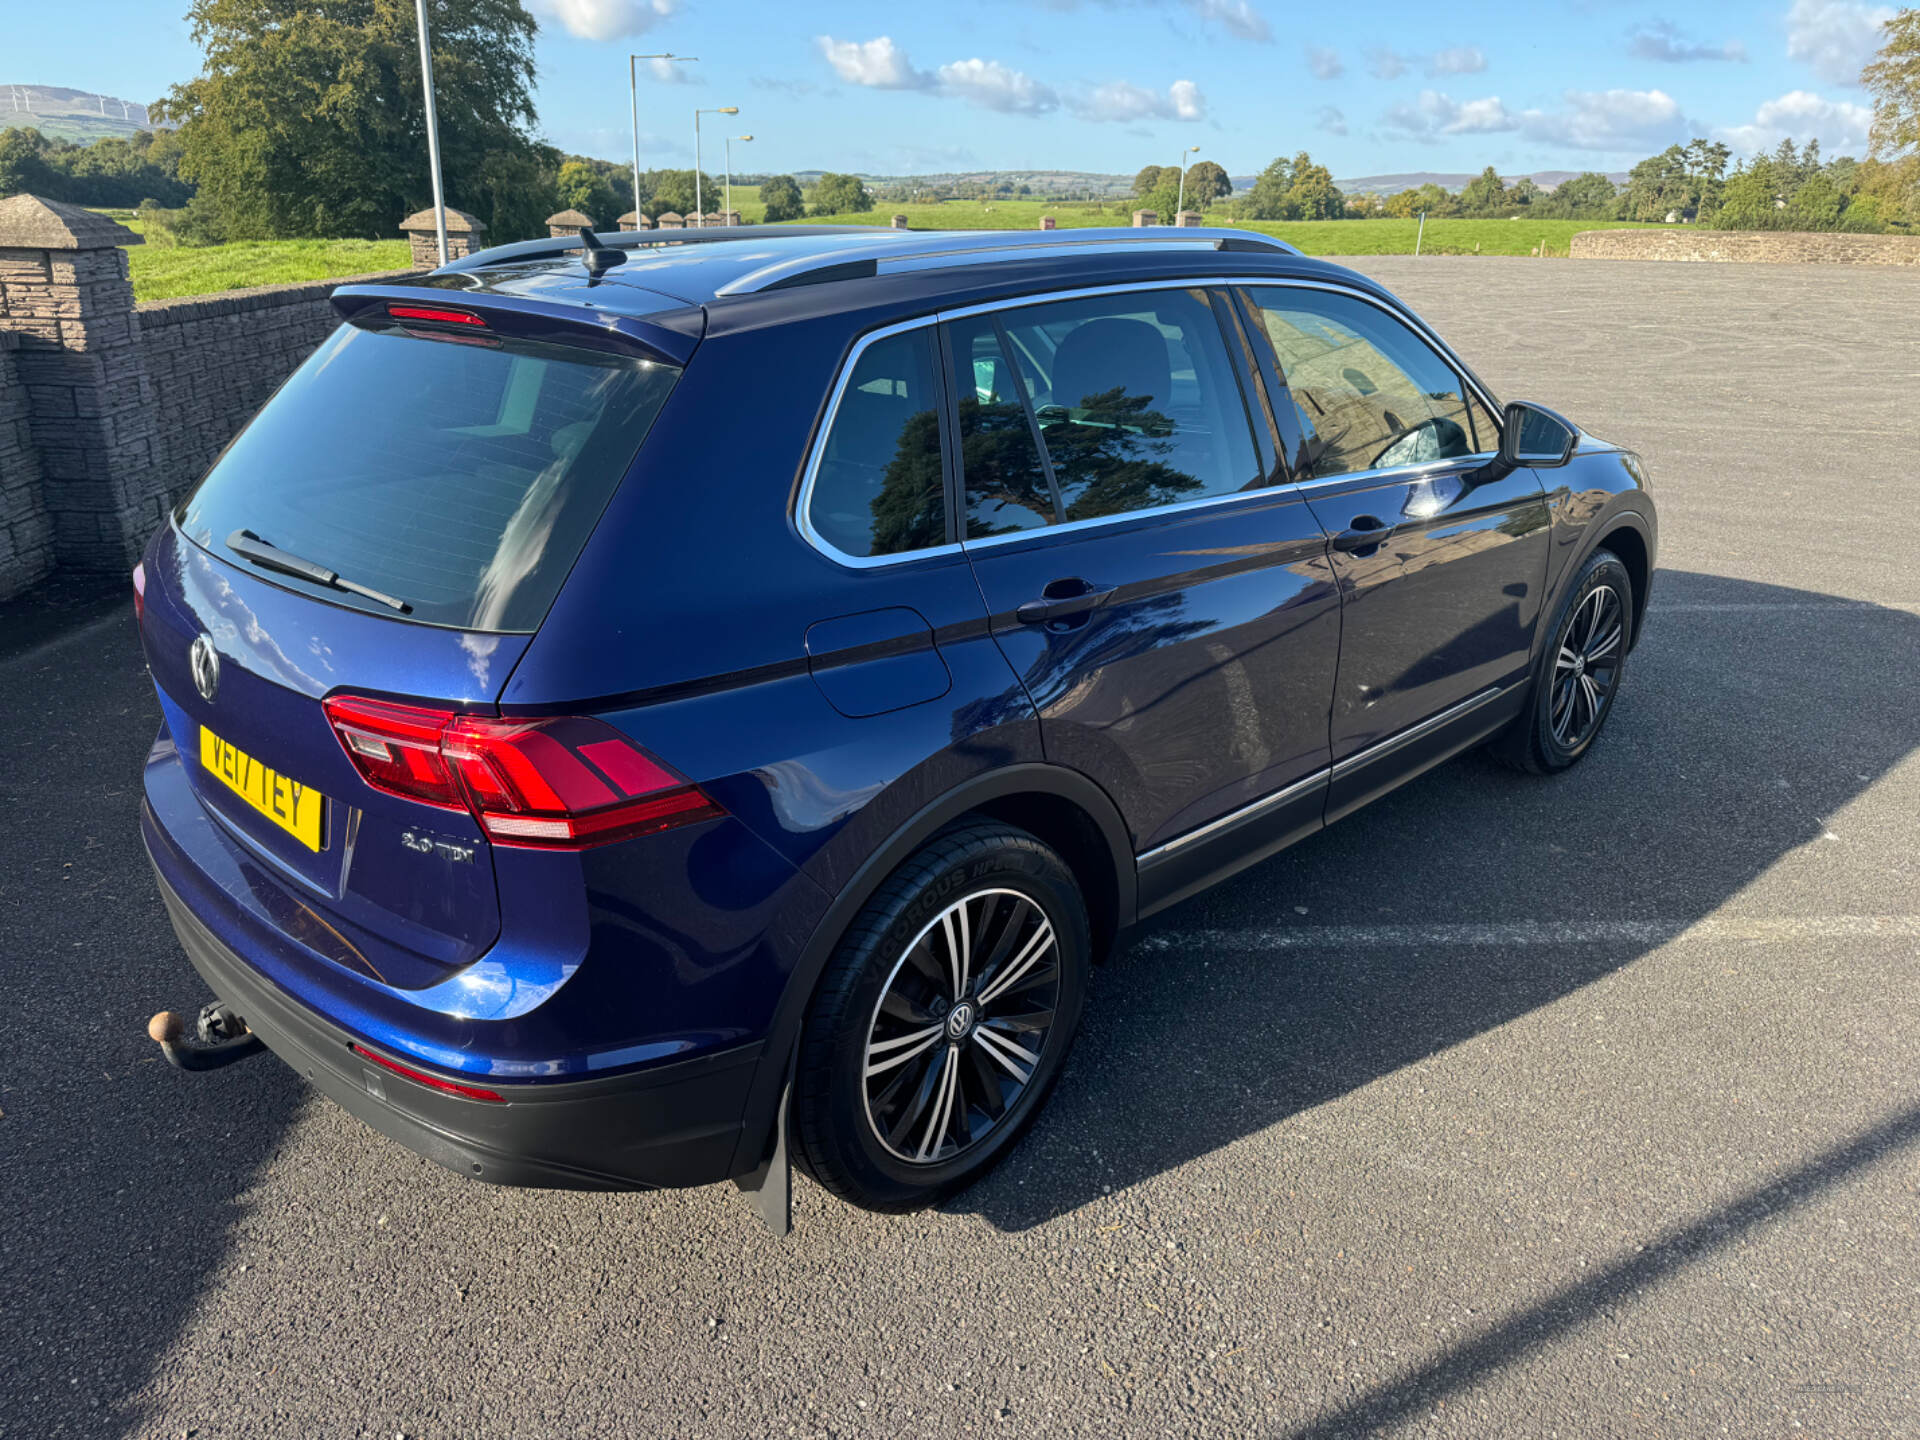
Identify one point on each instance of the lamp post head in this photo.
(728, 110)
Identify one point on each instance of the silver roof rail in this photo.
(944, 249)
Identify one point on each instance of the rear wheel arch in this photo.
(1061, 807)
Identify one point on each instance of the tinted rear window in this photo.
(463, 478)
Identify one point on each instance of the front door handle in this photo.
(1364, 535)
(1064, 600)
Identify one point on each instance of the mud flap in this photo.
(769, 1187)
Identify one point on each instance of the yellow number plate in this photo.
(294, 807)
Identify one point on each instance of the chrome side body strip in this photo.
(1320, 778)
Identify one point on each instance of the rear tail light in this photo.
(139, 592)
(553, 784)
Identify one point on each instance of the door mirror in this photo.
(1534, 435)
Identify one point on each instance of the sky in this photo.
(910, 86)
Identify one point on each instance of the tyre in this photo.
(942, 1020)
(1579, 671)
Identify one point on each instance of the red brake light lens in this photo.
(139, 592)
(563, 783)
(435, 315)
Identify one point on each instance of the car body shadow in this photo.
(1751, 713)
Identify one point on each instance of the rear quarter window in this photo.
(461, 475)
(877, 485)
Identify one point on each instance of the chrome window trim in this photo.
(1325, 776)
(803, 504)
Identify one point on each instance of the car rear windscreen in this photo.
(460, 475)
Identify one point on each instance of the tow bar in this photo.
(220, 1038)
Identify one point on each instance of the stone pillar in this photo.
(1143, 218)
(465, 234)
(89, 401)
(26, 529)
(565, 225)
(1188, 218)
(634, 220)
(729, 217)
(1047, 223)
(899, 222)
(672, 220)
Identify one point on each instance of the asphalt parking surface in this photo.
(1580, 1107)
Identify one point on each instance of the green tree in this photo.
(1707, 168)
(580, 187)
(1150, 178)
(1267, 199)
(1893, 80)
(781, 195)
(1484, 194)
(1313, 195)
(24, 167)
(1749, 200)
(308, 119)
(1206, 182)
(673, 190)
(1403, 204)
(1588, 196)
(1816, 205)
(1656, 185)
(841, 195)
(1523, 191)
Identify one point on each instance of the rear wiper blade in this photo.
(269, 556)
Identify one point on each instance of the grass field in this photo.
(164, 272)
(1315, 237)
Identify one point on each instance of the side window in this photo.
(878, 489)
(1136, 398)
(1005, 482)
(1370, 393)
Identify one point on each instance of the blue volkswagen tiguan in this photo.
(643, 712)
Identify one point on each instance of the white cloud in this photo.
(994, 86)
(606, 19)
(1662, 40)
(1238, 17)
(1610, 120)
(1331, 120)
(1384, 64)
(669, 72)
(1835, 37)
(1325, 63)
(879, 64)
(1800, 115)
(1460, 60)
(1123, 101)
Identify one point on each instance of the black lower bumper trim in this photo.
(669, 1125)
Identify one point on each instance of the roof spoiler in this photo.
(449, 311)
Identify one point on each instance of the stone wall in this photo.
(1760, 246)
(26, 530)
(213, 360)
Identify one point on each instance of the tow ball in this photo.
(220, 1038)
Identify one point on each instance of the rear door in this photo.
(1441, 557)
(1164, 595)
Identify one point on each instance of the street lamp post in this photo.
(698, 206)
(633, 99)
(433, 129)
(1181, 203)
(730, 139)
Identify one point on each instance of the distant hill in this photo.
(69, 114)
(1413, 180)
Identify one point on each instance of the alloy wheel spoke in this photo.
(942, 1116)
(916, 1106)
(884, 1055)
(959, 948)
(1037, 946)
(1566, 659)
(1017, 1060)
(1023, 1022)
(1604, 646)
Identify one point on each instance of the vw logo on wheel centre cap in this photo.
(204, 661)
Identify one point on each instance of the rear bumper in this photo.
(668, 1125)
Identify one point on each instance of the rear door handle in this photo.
(1063, 600)
(1365, 533)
